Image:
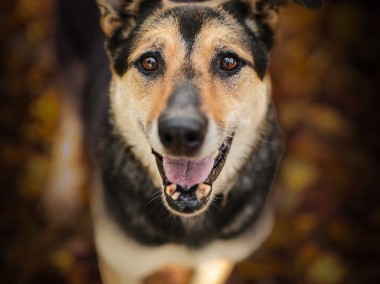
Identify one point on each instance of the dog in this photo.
(180, 129)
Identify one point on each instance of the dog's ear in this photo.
(271, 7)
(115, 12)
(262, 17)
(265, 15)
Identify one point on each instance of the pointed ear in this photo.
(112, 12)
(267, 9)
(265, 15)
(109, 15)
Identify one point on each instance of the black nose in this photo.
(182, 135)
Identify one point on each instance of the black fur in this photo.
(192, 21)
(260, 46)
(120, 46)
(131, 199)
(190, 24)
(130, 195)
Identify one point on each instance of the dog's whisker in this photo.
(212, 203)
(155, 195)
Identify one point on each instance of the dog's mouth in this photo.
(188, 183)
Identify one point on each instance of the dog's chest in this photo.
(123, 253)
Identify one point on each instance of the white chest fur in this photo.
(126, 257)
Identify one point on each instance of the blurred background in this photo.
(325, 71)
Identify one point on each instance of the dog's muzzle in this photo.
(188, 183)
(182, 129)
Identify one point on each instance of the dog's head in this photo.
(190, 88)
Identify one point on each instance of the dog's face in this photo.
(190, 91)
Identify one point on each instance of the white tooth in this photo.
(215, 154)
(202, 191)
(175, 195)
(199, 195)
(170, 189)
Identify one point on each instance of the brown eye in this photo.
(228, 63)
(149, 63)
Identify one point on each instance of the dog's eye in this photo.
(229, 63)
(149, 63)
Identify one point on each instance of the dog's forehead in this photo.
(186, 15)
(211, 3)
(190, 20)
(189, 23)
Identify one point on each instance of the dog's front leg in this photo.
(213, 272)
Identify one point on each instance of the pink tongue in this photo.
(187, 173)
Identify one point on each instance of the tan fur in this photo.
(238, 107)
(212, 4)
(165, 37)
(234, 106)
(144, 100)
(124, 261)
(110, 19)
(268, 13)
